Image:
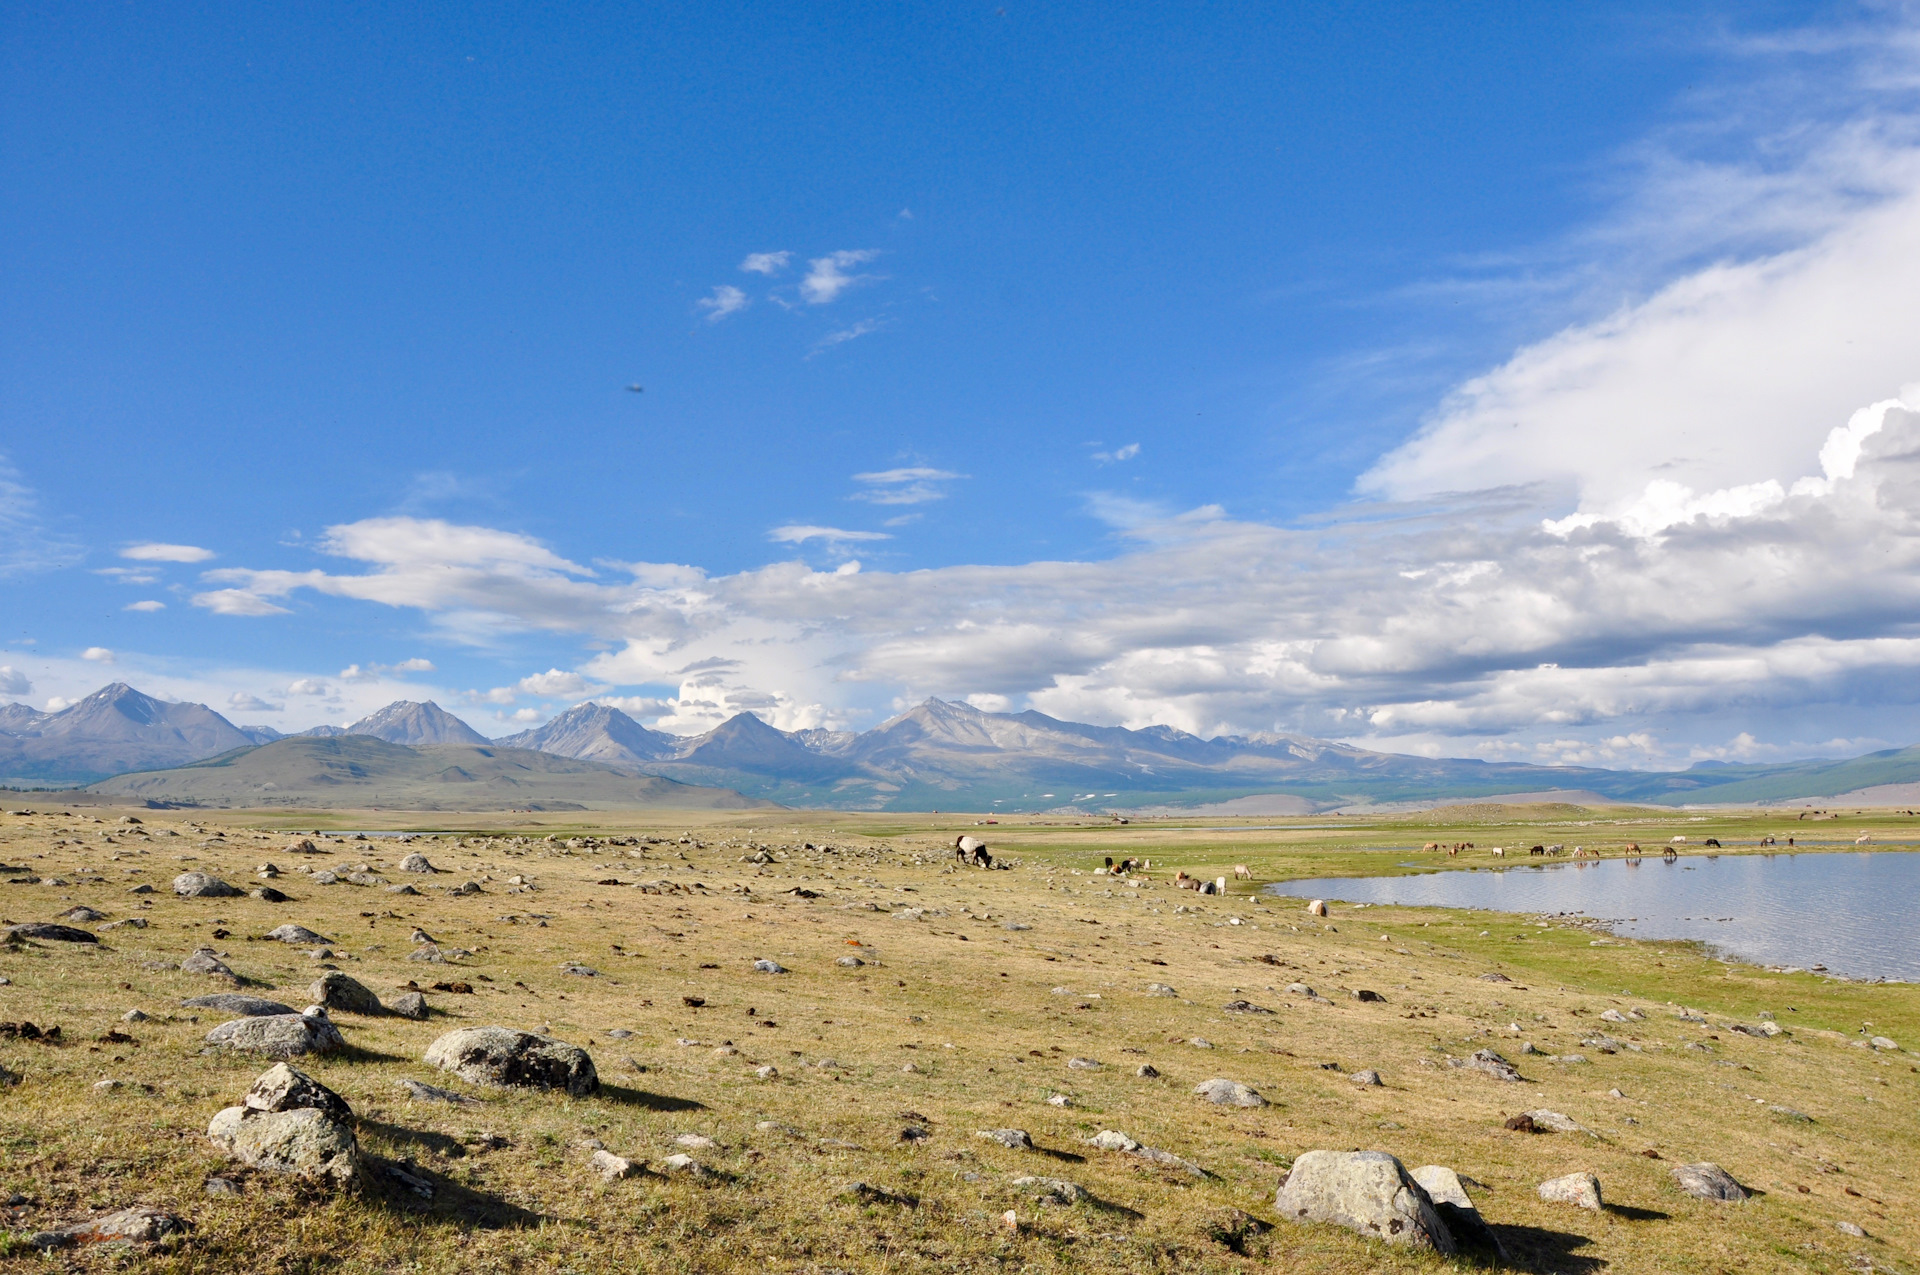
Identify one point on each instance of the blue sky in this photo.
(1100, 360)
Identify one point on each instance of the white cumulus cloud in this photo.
(767, 263)
(13, 681)
(827, 276)
(145, 604)
(155, 552)
(726, 300)
(98, 654)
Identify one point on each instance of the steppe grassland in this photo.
(969, 1014)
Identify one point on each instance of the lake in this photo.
(1852, 913)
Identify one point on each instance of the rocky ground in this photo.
(815, 1049)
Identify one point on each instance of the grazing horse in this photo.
(1498, 852)
(1241, 872)
(968, 849)
(1431, 845)
(1714, 842)
(1633, 849)
(1538, 850)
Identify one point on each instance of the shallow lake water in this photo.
(1853, 913)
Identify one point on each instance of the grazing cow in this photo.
(968, 849)
(1317, 908)
(1241, 872)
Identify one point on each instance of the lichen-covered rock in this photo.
(137, 1225)
(411, 1005)
(1490, 1062)
(416, 862)
(1011, 1139)
(296, 934)
(283, 1088)
(1052, 1190)
(1579, 1189)
(198, 885)
(345, 993)
(1369, 1192)
(280, 1035)
(1229, 1093)
(305, 1142)
(514, 1059)
(1708, 1181)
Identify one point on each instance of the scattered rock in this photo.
(203, 961)
(1365, 1191)
(343, 992)
(851, 962)
(296, 934)
(1449, 1195)
(1085, 1064)
(1114, 1140)
(514, 1059)
(606, 1163)
(1244, 1007)
(1557, 1122)
(142, 888)
(280, 1035)
(267, 894)
(1366, 1078)
(769, 967)
(466, 888)
(1495, 977)
(684, 1165)
(83, 915)
(135, 1016)
(198, 885)
(1012, 1139)
(1579, 1189)
(1228, 1093)
(768, 1072)
(48, 932)
(282, 1088)
(220, 1186)
(1488, 1061)
(108, 1086)
(402, 889)
(239, 1003)
(137, 1225)
(411, 1005)
(1854, 1230)
(1708, 1181)
(1362, 994)
(416, 862)
(434, 1093)
(1147, 1071)
(1055, 1191)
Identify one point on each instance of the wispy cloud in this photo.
(827, 276)
(843, 335)
(910, 485)
(154, 552)
(145, 604)
(767, 263)
(800, 533)
(726, 300)
(1118, 454)
(25, 543)
(241, 702)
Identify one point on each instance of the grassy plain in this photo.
(977, 989)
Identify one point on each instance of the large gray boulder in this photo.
(238, 1003)
(280, 1035)
(1229, 1093)
(416, 862)
(1708, 1181)
(291, 1123)
(305, 1142)
(1456, 1208)
(343, 992)
(297, 934)
(514, 1059)
(198, 885)
(1582, 1190)
(1369, 1192)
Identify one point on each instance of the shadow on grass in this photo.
(651, 1101)
(1544, 1252)
(408, 1188)
(1628, 1213)
(426, 1140)
(359, 1053)
(1068, 1156)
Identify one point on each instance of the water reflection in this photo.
(1847, 911)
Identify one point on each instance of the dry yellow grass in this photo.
(985, 1015)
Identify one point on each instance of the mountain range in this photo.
(937, 755)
